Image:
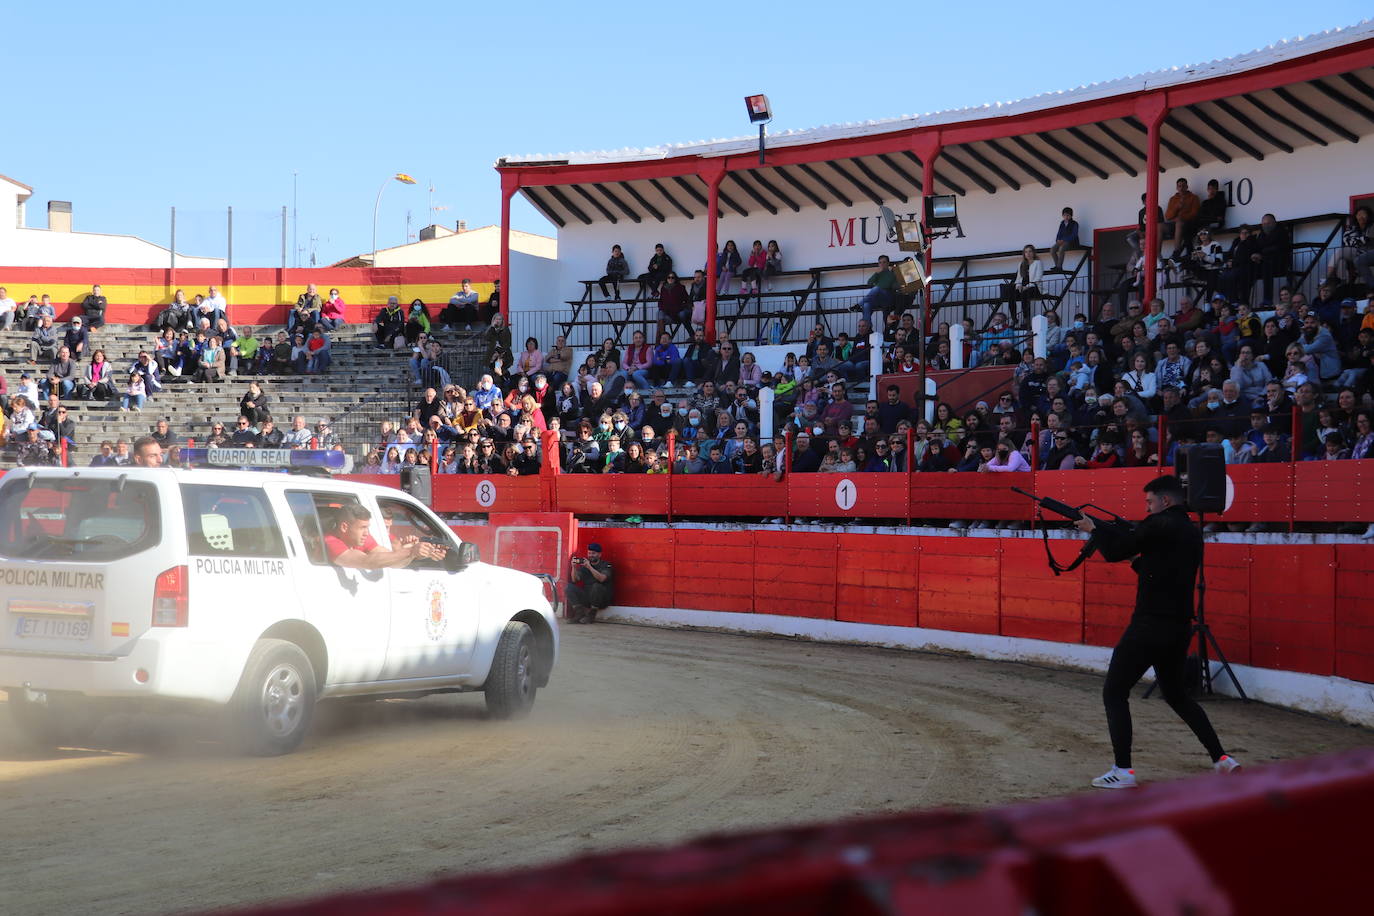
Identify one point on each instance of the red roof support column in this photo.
(927, 147)
(713, 172)
(510, 183)
(1152, 109)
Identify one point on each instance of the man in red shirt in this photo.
(350, 544)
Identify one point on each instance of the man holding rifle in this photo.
(1167, 547)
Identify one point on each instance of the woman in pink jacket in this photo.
(753, 273)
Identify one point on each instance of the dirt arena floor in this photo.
(645, 737)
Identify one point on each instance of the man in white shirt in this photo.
(7, 309)
(216, 301)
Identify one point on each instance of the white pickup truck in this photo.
(134, 586)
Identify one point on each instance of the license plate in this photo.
(52, 628)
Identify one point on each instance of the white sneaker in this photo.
(1227, 764)
(1116, 778)
(1368, 532)
(693, 385)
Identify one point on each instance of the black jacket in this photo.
(1167, 547)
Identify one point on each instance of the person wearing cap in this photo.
(76, 338)
(590, 585)
(389, 324)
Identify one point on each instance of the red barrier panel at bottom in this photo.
(1290, 838)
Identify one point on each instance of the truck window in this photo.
(316, 515)
(73, 518)
(403, 520)
(224, 521)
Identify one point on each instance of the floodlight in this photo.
(911, 276)
(942, 211)
(758, 107)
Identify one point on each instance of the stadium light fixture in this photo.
(760, 113)
(403, 178)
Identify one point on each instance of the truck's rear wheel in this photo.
(55, 721)
(275, 701)
(510, 686)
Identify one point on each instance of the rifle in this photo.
(1115, 524)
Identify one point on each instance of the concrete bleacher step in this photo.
(363, 383)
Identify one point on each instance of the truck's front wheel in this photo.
(510, 684)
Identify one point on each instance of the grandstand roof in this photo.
(1316, 89)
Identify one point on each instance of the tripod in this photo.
(1202, 630)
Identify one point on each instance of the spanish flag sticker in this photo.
(119, 629)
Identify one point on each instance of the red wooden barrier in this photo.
(959, 584)
(877, 577)
(612, 494)
(1354, 613)
(1292, 607)
(1333, 491)
(485, 493)
(1287, 838)
(717, 495)
(714, 570)
(795, 573)
(1308, 492)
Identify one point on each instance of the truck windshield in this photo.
(82, 519)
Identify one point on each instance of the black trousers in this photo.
(1162, 645)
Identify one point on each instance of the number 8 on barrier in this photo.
(486, 493)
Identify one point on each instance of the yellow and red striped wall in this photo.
(256, 295)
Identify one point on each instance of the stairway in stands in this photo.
(363, 386)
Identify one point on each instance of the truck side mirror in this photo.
(463, 557)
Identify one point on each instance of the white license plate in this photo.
(52, 628)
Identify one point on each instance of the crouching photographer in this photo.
(590, 588)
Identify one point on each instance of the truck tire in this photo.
(275, 701)
(56, 723)
(510, 686)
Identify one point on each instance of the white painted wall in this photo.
(23, 247)
(1312, 180)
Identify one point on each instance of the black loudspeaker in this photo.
(415, 481)
(1202, 468)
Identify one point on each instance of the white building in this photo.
(58, 245)
(1279, 128)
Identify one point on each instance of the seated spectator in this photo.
(213, 361)
(617, 269)
(306, 311)
(1212, 209)
(162, 433)
(93, 307)
(245, 434)
(9, 310)
(318, 351)
(727, 266)
(254, 403)
(1182, 212)
(417, 321)
(61, 377)
(44, 343)
(76, 339)
(752, 277)
(674, 304)
(278, 359)
(882, 292)
(389, 325)
(1275, 255)
(639, 359)
(1065, 237)
(135, 393)
(461, 308)
(268, 434)
(660, 265)
(333, 312)
(1024, 287)
(696, 294)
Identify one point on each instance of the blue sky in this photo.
(155, 105)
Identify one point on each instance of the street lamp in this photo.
(404, 179)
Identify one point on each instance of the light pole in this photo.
(404, 179)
